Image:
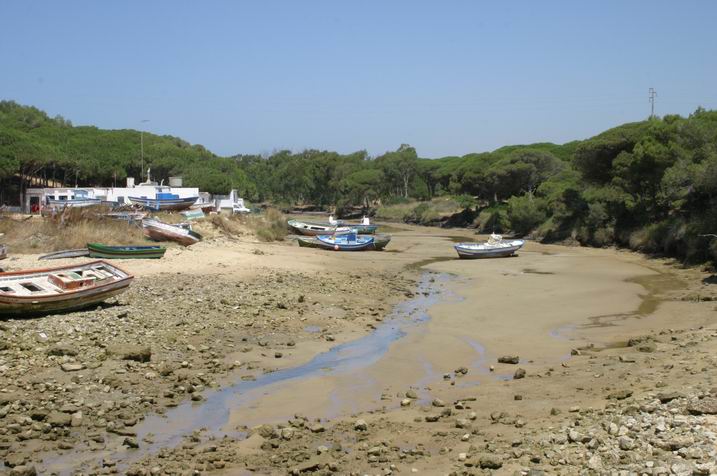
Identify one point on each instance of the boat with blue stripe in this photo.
(164, 200)
(350, 241)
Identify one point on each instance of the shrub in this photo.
(525, 213)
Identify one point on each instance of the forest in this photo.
(649, 185)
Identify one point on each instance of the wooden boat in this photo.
(193, 214)
(66, 288)
(128, 216)
(160, 231)
(379, 242)
(98, 250)
(351, 241)
(3, 251)
(66, 254)
(315, 229)
(495, 247)
(75, 202)
(164, 200)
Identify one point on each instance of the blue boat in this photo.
(350, 241)
(163, 200)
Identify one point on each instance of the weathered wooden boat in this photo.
(315, 229)
(128, 216)
(66, 288)
(75, 202)
(495, 247)
(160, 231)
(351, 241)
(379, 241)
(98, 250)
(66, 254)
(192, 214)
(164, 200)
(3, 251)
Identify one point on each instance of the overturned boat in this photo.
(495, 247)
(98, 250)
(159, 231)
(379, 242)
(66, 288)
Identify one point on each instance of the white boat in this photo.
(160, 231)
(495, 247)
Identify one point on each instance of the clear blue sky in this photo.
(448, 77)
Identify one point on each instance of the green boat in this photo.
(379, 242)
(98, 250)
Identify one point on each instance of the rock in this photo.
(706, 406)
(134, 352)
(461, 371)
(130, 442)
(23, 470)
(437, 402)
(76, 419)
(406, 402)
(520, 373)
(509, 359)
(68, 367)
(490, 462)
(317, 428)
(360, 425)
(278, 355)
(62, 349)
(411, 394)
(287, 433)
(647, 347)
(56, 418)
(626, 443)
(668, 397)
(620, 395)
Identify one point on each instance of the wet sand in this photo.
(540, 306)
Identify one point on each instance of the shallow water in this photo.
(214, 412)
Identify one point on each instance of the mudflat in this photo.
(239, 357)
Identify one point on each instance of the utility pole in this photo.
(141, 148)
(653, 94)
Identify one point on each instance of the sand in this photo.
(540, 306)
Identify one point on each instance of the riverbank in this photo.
(224, 311)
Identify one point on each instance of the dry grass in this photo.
(67, 231)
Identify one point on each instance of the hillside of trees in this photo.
(649, 185)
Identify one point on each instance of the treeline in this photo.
(650, 185)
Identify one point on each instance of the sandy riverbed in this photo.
(225, 311)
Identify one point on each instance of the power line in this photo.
(653, 94)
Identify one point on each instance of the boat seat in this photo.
(71, 280)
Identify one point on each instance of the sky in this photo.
(447, 77)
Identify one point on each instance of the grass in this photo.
(420, 212)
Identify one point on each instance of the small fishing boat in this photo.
(160, 231)
(98, 250)
(66, 254)
(495, 247)
(315, 229)
(3, 251)
(72, 198)
(66, 288)
(192, 214)
(351, 241)
(164, 200)
(363, 228)
(128, 216)
(379, 242)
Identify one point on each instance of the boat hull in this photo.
(379, 242)
(466, 252)
(3, 251)
(24, 306)
(66, 254)
(168, 204)
(125, 252)
(341, 243)
(159, 231)
(88, 202)
(313, 229)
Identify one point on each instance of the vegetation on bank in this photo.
(649, 185)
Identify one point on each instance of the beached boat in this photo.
(66, 288)
(160, 231)
(72, 198)
(3, 251)
(66, 254)
(379, 242)
(98, 250)
(164, 200)
(192, 214)
(363, 228)
(495, 247)
(128, 216)
(351, 241)
(315, 229)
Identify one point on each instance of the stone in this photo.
(287, 433)
(138, 353)
(317, 428)
(23, 470)
(520, 373)
(706, 406)
(406, 402)
(56, 418)
(626, 443)
(130, 442)
(411, 394)
(508, 359)
(68, 367)
(490, 462)
(437, 402)
(620, 395)
(360, 425)
(62, 349)
(278, 355)
(76, 419)
(668, 397)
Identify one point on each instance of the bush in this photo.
(525, 213)
(493, 220)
